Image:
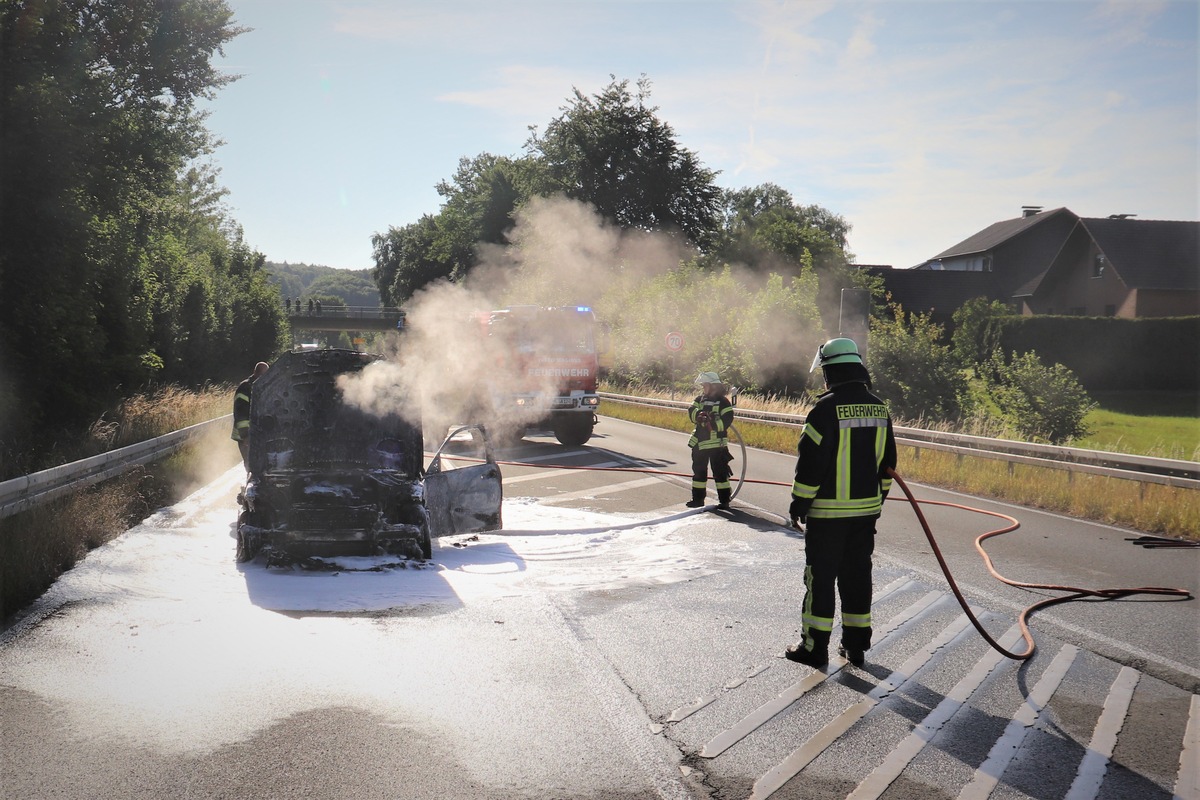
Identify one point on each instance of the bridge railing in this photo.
(346, 312)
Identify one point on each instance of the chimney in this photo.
(1029, 211)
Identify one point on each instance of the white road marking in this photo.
(1002, 752)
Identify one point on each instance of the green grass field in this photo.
(1164, 425)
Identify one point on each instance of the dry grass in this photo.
(1164, 510)
(146, 416)
(40, 544)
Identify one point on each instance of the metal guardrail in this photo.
(21, 494)
(1143, 469)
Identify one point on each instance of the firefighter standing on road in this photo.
(845, 450)
(712, 413)
(241, 412)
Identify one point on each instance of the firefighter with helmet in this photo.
(712, 414)
(845, 451)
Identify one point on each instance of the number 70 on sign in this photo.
(674, 341)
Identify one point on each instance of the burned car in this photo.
(328, 476)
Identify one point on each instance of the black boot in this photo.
(812, 650)
(817, 657)
(723, 496)
(697, 500)
(853, 655)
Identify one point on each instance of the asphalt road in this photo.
(608, 644)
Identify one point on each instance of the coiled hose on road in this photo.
(1073, 592)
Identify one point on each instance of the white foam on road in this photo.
(155, 636)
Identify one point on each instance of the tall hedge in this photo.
(1113, 353)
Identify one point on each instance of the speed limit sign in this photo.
(674, 341)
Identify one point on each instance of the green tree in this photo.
(350, 287)
(750, 335)
(406, 260)
(977, 330)
(612, 151)
(766, 230)
(912, 370)
(113, 245)
(763, 227)
(1040, 402)
(479, 203)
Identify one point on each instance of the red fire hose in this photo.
(1073, 592)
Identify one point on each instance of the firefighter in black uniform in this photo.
(712, 414)
(845, 450)
(241, 412)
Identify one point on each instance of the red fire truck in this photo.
(546, 364)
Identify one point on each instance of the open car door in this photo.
(467, 498)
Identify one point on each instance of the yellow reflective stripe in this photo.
(808, 594)
(857, 502)
(711, 444)
(843, 513)
(880, 441)
(699, 484)
(804, 490)
(886, 484)
(242, 396)
(723, 485)
(242, 424)
(856, 620)
(820, 623)
(811, 433)
(842, 487)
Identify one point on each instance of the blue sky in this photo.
(919, 122)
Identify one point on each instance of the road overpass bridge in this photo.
(345, 318)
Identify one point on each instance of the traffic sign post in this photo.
(674, 342)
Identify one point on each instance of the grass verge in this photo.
(38, 545)
(1164, 510)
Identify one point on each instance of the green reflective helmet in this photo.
(836, 351)
(707, 377)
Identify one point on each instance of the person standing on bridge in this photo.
(241, 412)
(845, 451)
(712, 413)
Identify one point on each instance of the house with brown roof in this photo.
(1055, 262)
